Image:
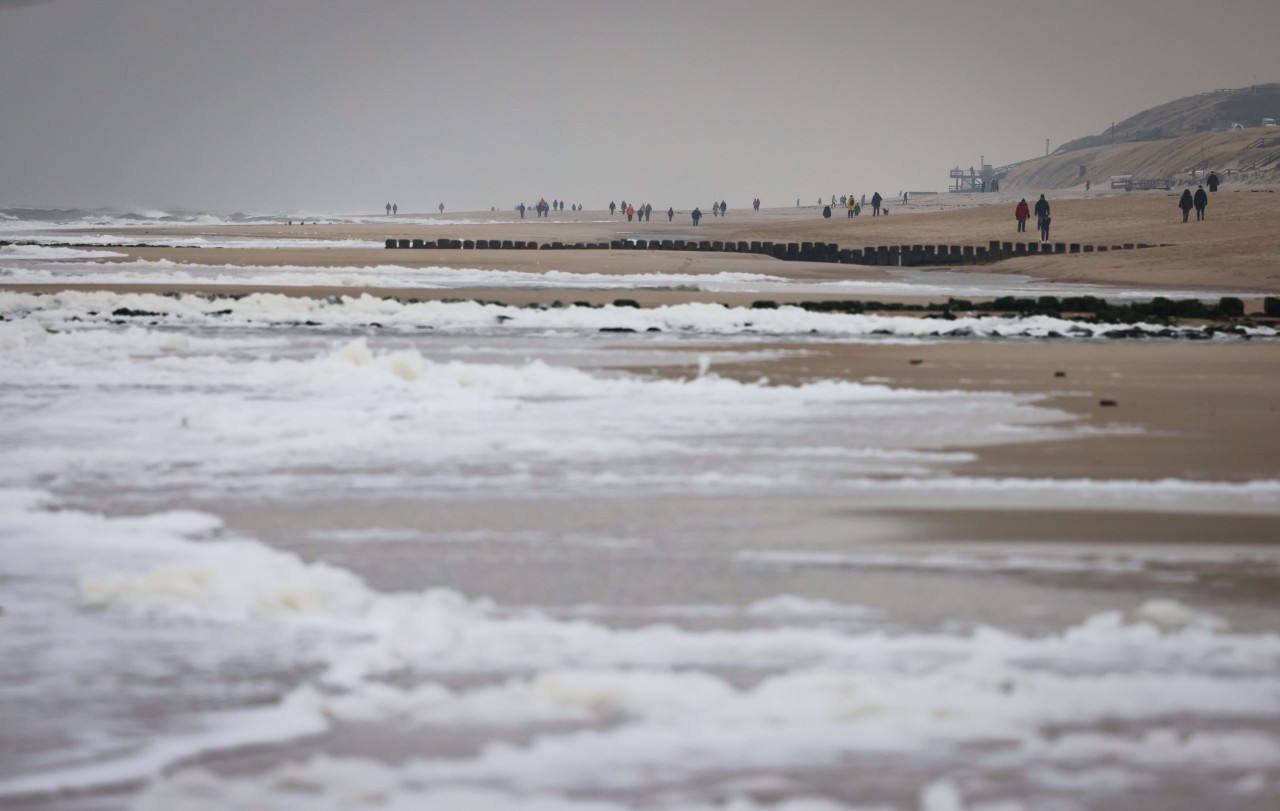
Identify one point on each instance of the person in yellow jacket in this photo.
(849, 205)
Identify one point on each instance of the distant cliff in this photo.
(1221, 108)
(1174, 141)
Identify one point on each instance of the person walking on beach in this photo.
(395, 208)
(671, 214)
(849, 204)
(1185, 203)
(1042, 208)
(1212, 182)
(697, 215)
(756, 203)
(648, 211)
(521, 207)
(876, 200)
(612, 208)
(1022, 213)
(724, 207)
(1201, 201)
(388, 209)
(631, 212)
(442, 208)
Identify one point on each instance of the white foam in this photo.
(215, 420)
(708, 319)
(48, 254)
(645, 703)
(226, 731)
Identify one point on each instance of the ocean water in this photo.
(277, 553)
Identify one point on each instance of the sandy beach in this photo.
(424, 539)
(1235, 249)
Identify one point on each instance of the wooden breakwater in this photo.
(830, 252)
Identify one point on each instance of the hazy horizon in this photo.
(323, 106)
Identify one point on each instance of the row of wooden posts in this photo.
(890, 255)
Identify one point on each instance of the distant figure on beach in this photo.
(797, 202)
(1087, 184)
(715, 209)
(442, 208)
(1044, 227)
(849, 204)
(612, 208)
(876, 200)
(696, 214)
(857, 210)
(864, 198)
(671, 214)
(521, 207)
(1212, 181)
(724, 207)
(388, 209)
(826, 212)
(904, 197)
(631, 212)
(1022, 213)
(648, 211)
(1202, 202)
(756, 204)
(1185, 203)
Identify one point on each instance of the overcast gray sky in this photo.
(341, 106)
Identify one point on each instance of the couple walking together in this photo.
(1023, 213)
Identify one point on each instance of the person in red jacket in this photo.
(1022, 213)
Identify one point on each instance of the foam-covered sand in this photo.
(316, 545)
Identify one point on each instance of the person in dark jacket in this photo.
(697, 215)
(1212, 181)
(1201, 201)
(671, 214)
(1042, 218)
(826, 212)
(1185, 203)
(876, 199)
(1022, 213)
(612, 208)
(1042, 207)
